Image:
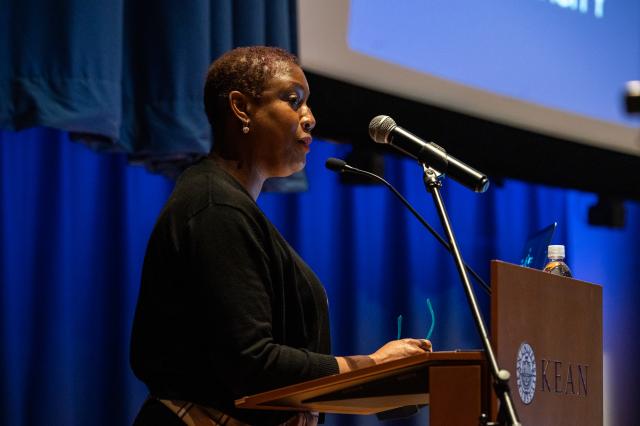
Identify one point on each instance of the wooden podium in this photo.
(546, 330)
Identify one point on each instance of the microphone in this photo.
(341, 166)
(336, 165)
(383, 129)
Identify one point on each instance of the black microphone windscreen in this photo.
(335, 164)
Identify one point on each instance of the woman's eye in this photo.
(294, 100)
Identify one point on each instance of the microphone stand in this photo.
(507, 413)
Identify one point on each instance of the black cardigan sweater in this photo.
(226, 307)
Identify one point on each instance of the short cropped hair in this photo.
(245, 69)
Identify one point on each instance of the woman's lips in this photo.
(306, 142)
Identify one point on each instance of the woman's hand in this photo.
(397, 349)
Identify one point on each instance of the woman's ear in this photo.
(238, 103)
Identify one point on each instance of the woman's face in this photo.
(281, 124)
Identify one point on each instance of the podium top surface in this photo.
(364, 391)
(500, 265)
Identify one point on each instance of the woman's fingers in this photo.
(397, 349)
(426, 345)
(422, 344)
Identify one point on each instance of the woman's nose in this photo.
(308, 120)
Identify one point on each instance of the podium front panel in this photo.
(547, 331)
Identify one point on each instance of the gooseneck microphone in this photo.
(341, 166)
(337, 165)
(383, 129)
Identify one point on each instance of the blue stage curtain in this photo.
(126, 76)
(74, 226)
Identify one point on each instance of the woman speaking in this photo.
(226, 307)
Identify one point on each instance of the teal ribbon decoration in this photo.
(399, 326)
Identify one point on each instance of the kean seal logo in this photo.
(526, 373)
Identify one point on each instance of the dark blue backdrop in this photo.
(74, 225)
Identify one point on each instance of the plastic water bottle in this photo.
(556, 264)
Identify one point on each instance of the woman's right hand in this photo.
(397, 349)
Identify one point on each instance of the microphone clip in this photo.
(432, 177)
